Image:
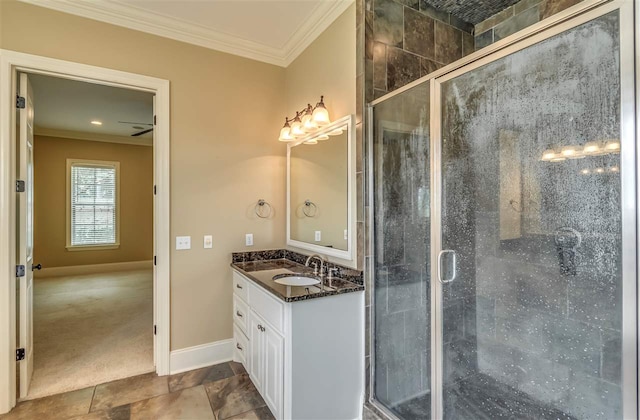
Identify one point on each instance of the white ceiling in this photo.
(63, 105)
(273, 31)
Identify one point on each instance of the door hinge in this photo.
(155, 260)
(20, 186)
(21, 103)
(155, 190)
(20, 271)
(155, 330)
(20, 354)
(155, 121)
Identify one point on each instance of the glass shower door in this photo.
(537, 235)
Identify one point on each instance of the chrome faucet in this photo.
(315, 270)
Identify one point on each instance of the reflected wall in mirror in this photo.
(319, 191)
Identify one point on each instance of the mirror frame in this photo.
(350, 254)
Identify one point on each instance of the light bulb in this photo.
(599, 170)
(335, 132)
(296, 126)
(591, 148)
(614, 169)
(612, 146)
(548, 154)
(320, 113)
(585, 171)
(322, 137)
(313, 141)
(568, 151)
(285, 133)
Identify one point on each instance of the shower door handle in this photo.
(453, 261)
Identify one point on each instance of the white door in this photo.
(155, 252)
(25, 232)
(273, 348)
(256, 364)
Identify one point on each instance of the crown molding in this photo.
(104, 138)
(117, 13)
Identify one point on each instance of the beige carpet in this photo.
(91, 329)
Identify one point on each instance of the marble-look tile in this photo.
(125, 391)
(368, 35)
(419, 33)
(551, 7)
(379, 66)
(461, 24)
(60, 406)
(402, 68)
(448, 43)
(484, 39)
(523, 5)
(387, 23)
(494, 20)
(190, 403)
(431, 11)
(378, 93)
(232, 396)
(262, 413)
(468, 44)
(199, 376)
(118, 413)
(414, 4)
(428, 66)
(237, 368)
(516, 23)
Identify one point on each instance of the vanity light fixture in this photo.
(592, 148)
(306, 121)
(323, 137)
(612, 146)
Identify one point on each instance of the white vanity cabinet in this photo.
(306, 358)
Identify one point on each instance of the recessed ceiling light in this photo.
(96, 122)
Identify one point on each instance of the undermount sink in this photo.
(296, 280)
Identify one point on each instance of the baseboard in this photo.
(201, 356)
(77, 270)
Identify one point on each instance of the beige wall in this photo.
(220, 165)
(50, 219)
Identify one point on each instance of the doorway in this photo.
(89, 226)
(11, 64)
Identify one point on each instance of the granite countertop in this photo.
(261, 272)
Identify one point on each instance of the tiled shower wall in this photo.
(517, 17)
(408, 39)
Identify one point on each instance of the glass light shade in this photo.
(322, 137)
(320, 113)
(612, 146)
(314, 141)
(569, 151)
(599, 170)
(614, 169)
(335, 132)
(548, 154)
(308, 124)
(296, 128)
(591, 148)
(285, 134)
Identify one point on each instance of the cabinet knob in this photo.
(239, 314)
(259, 327)
(238, 286)
(238, 346)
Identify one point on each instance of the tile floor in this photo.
(217, 392)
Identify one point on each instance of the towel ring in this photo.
(307, 208)
(260, 209)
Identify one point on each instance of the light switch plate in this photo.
(248, 239)
(346, 234)
(183, 242)
(318, 236)
(208, 241)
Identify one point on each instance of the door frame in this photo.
(11, 62)
(629, 205)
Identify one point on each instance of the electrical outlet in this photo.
(248, 239)
(208, 242)
(183, 242)
(318, 236)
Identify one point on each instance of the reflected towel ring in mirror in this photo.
(307, 209)
(260, 209)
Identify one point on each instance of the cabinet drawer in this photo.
(240, 313)
(240, 286)
(241, 346)
(270, 309)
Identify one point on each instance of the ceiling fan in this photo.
(139, 126)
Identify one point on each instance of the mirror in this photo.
(319, 191)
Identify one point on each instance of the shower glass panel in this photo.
(401, 223)
(531, 206)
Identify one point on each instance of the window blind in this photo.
(93, 205)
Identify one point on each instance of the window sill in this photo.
(92, 247)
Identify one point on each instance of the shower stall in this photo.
(502, 197)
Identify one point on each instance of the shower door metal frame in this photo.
(630, 116)
(628, 173)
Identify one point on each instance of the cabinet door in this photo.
(256, 352)
(274, 370)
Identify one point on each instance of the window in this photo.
(92, 204)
